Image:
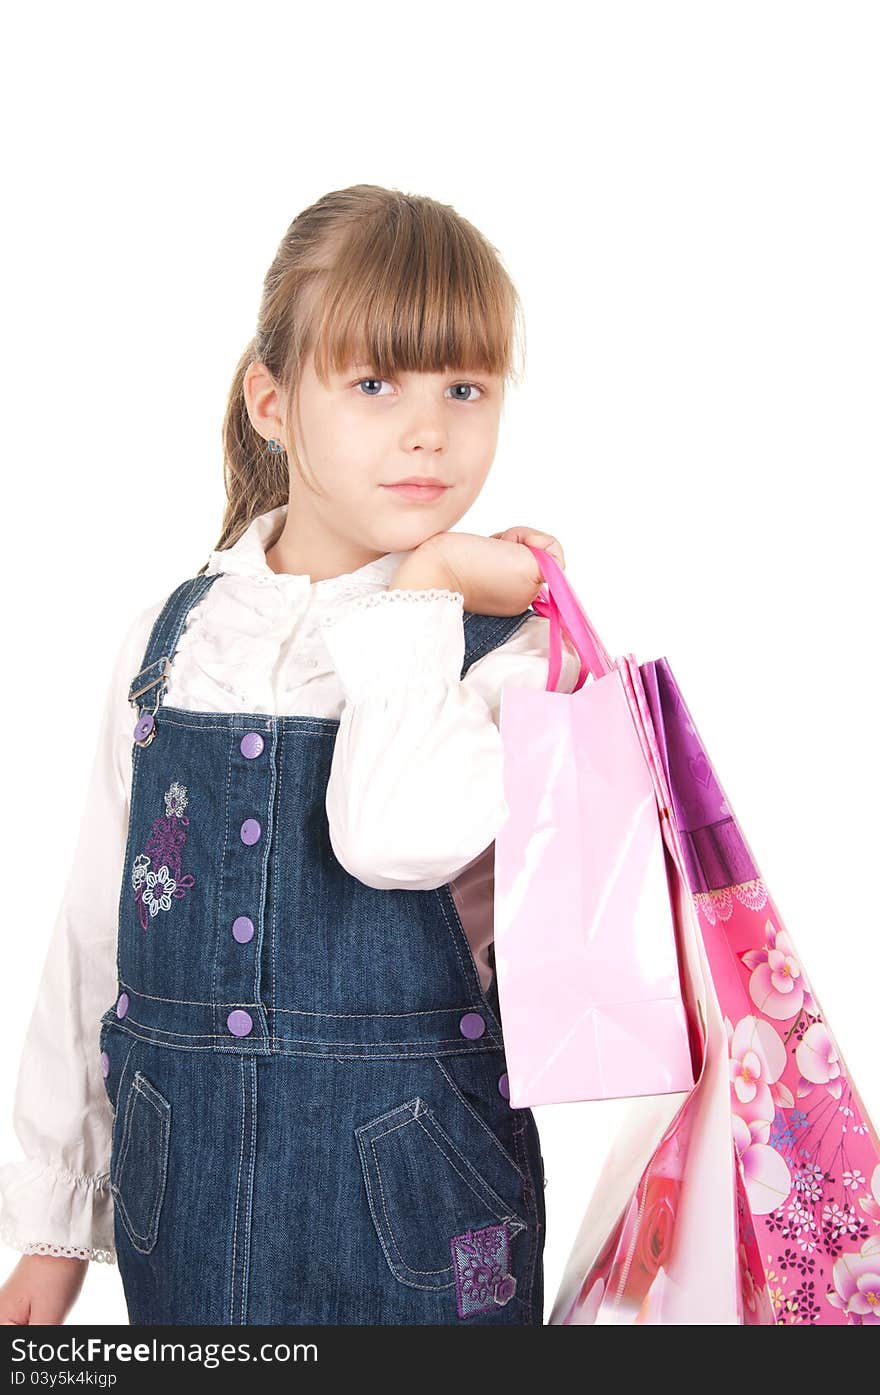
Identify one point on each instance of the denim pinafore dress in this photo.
(309, 1113)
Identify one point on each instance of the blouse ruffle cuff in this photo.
(47, 1210)
(394, 639)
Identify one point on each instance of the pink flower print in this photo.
(802, 1225)
(757, 1060)
(856, 1279)
(871, 1204)
(765, 1173)
(809, 1181)
(784, 970)
(839, 1220)
(777, 986)
(746, 1076)
(853, 1179)
(157, 875)
(818, 1062)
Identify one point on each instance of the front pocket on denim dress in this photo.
(139, 1163)
(429, 1203)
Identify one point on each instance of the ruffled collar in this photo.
(247, 557)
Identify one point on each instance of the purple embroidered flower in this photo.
(481, 1259)
(156, 875)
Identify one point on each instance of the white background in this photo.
(686, 196)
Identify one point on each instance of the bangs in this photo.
(413, 289)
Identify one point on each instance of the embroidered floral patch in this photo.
(482, 1269)
(156, 873)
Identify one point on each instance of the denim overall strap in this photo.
(146, 688)
(483, 633)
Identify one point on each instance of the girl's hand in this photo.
(41, 1289)
(496, 575)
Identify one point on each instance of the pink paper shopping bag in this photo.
(661, 1241)
(585, 950)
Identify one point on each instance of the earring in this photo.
(275, 446)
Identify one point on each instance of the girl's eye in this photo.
(377, 383)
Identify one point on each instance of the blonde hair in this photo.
(397, 280)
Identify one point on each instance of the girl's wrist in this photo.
(422, 573)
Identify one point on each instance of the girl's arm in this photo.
(56, 1200)
(416, 783)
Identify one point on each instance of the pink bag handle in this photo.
(566, 613)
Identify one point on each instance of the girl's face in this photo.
(359, 434)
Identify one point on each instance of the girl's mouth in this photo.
(418, 493)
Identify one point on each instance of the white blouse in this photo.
(413, 738)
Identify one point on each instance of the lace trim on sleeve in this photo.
(47, 1247)
(391, 597)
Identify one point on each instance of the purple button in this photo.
(505, 1289)
(504, 1085)
(239, 1022)
(122, 1005)
(472, 1025)
(251, 744)
(250, 831)
(144, 726)
(105, 1064)
(243, 929)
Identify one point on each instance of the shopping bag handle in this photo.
(565, 612)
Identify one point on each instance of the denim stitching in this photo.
(220, 1036)
(163, 1111)
(296, 721)
(505, 1213)
(482, 1123)
(379, 1231)
(416, 1117)
(237, 1195)
(409, 1107)
(492, 1025)
(220, 882)
(265, 1045)
(489, 1199)
(280, 754)
(452, 935)
(535, 1228)
(121, 1081)
(291, 1012)
(401, 1263)
(264, 868)
(245, 1282)
(129, 848)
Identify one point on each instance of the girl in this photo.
(265, 1071)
